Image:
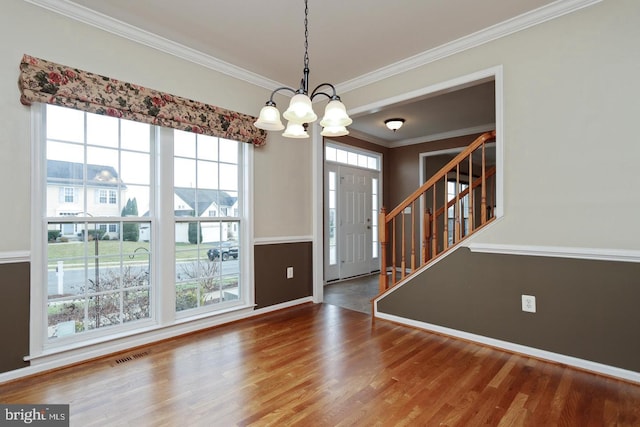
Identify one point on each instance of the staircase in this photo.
(452, 205)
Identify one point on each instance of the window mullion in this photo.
(164, 235)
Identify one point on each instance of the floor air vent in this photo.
(130, 357)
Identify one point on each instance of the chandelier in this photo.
(300, 112)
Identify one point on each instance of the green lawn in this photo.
(136, 251)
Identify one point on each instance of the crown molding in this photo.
(119, 28)
(422, 139)
(369, 138)
(444, 135)
(502, 29)
(129, 32)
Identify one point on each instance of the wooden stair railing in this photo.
(443, 219)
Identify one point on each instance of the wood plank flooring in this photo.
(322, 365)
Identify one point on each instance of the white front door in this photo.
(355, 222)
(349, 223)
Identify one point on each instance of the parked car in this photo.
(223, 251)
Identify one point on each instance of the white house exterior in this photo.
(66, 195)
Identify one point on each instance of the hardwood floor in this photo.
(322, 365)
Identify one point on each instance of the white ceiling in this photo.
(349, 40)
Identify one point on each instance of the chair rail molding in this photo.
(600, 254)
(14, 257)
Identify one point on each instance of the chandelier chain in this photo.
(306, 34)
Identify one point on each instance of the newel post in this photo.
(383, 237)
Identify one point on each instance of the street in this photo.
(73, 282)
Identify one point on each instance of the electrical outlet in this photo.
(529, 303)
(289, 272)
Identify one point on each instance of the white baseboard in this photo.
(600, 254)
(586, 365)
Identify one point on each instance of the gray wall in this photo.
(14, 315)
(585, 309)
(271, 262)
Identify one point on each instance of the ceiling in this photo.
(348, 41)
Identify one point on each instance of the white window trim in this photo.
(165, 324)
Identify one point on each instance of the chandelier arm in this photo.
(325, 94)
(271, 102)
(333, 89)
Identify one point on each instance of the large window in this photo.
(206, 177)
(103, 196)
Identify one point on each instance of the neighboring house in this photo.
(209, 203)
(66, 195)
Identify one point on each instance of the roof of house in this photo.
(62, 172)
(205, 198)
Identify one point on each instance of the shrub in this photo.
(52, 235)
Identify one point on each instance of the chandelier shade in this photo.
(295, 130)
(334, 131)
(335, 114)
(269, 119)
(300, 112)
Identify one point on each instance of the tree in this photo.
(130, 231)
(195, 233)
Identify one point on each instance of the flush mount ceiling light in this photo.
(300, 112)
(394, 124)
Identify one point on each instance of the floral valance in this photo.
(51, 83)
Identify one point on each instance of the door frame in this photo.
(332, 273)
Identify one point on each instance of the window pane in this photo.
(228, 177)
(207, 147)
(184, 173)
(135, 168)
(207, 174)
(373, 163)
(362, 161)
(228, 151)
(102, 130)
(341, 156)
(135, 136)
(184, 144)
(330, 154)
(352, 159)
(65, 124)
(135, 200)
(72, 153)
(102, 164)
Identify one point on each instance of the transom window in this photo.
(350, 156)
